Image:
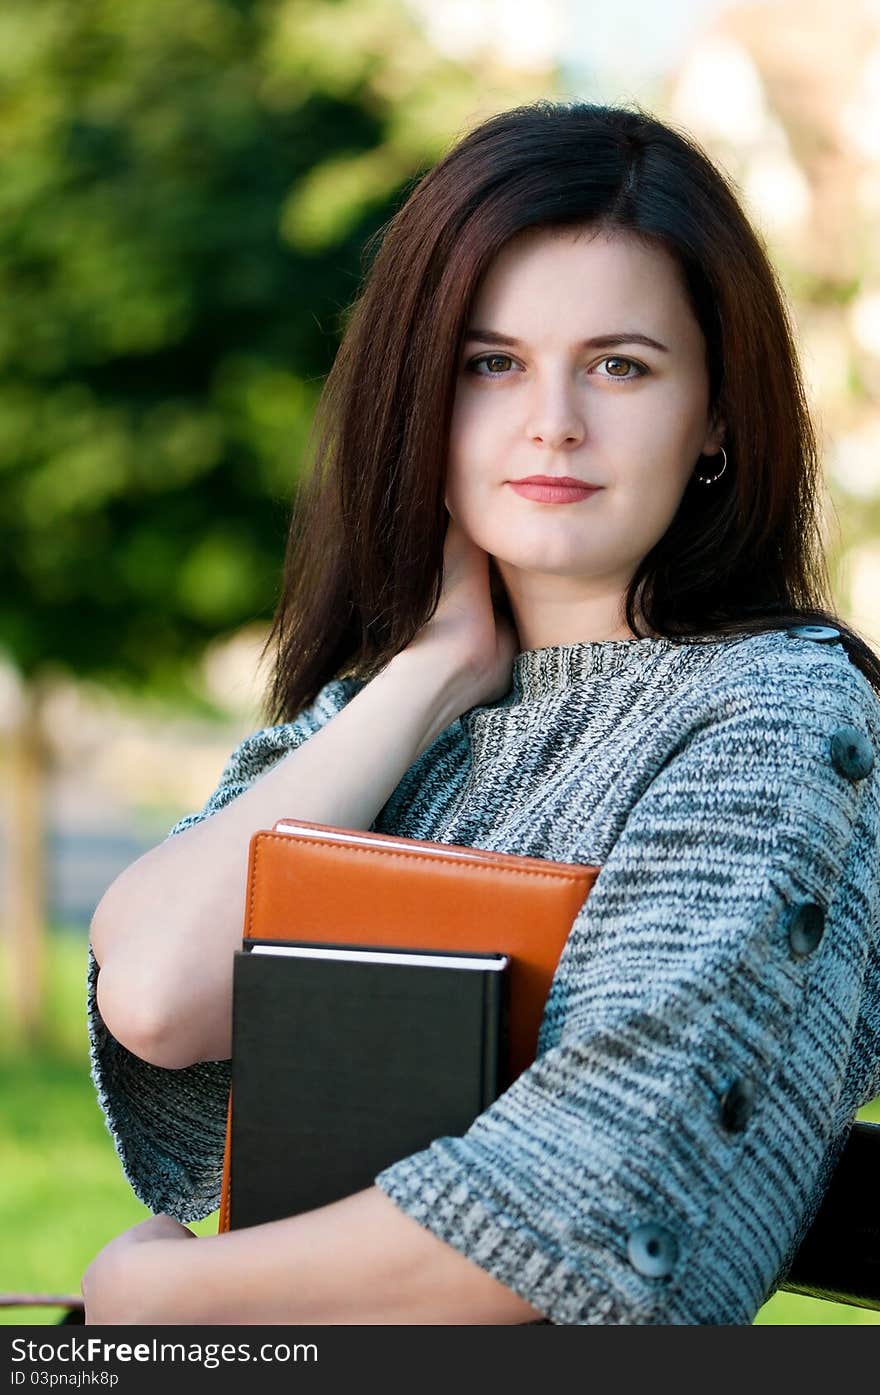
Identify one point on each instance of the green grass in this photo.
(63, 1195)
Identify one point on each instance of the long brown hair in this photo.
(364, 561)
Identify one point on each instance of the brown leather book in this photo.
(319, 883)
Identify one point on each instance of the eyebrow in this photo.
(599, 341)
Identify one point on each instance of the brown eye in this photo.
(626, 363)
(489, 359)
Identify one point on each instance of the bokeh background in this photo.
(185, 195)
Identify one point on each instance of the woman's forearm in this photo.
(357, 1261)
(165, 931)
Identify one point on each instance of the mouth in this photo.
(545, 489)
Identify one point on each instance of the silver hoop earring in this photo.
(710, 479)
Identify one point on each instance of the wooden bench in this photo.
(839, 1257)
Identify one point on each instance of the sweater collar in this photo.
(539, 671)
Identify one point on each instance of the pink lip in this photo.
(558, 492)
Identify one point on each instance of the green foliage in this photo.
(186, 194)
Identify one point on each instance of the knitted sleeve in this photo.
(169, 1126)
(663, 1156)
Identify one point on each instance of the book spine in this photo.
(495, 1023)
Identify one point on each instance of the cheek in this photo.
(470, 429)
(475, 451)
(663, 454)
(467, 499)
(681, 429)
(472, 498)
(648, 501)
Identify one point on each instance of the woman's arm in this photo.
(699, 1062)
(356, 1261)
(165, 931)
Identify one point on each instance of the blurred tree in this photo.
(185, 191)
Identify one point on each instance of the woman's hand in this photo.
(131, 1278)
(465, 629)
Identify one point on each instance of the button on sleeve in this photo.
(661, 1158)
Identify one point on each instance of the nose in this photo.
(555, 416)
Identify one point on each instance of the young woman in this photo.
(633, 662)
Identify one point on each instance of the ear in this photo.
(715, 438)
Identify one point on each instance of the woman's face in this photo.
(533, 398)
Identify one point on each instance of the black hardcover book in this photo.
(348, 1058)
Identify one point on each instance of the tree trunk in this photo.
(25, 896)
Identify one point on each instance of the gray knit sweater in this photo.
(714, 1020)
